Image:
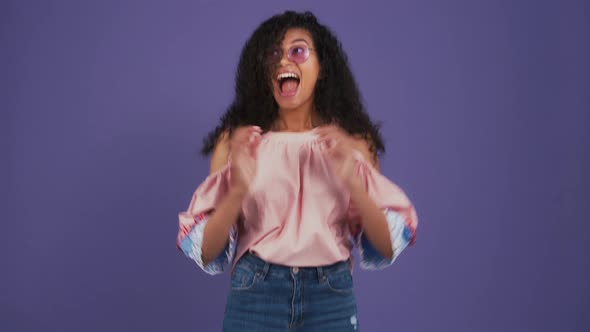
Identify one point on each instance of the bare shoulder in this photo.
(363, 146)
(220, 153)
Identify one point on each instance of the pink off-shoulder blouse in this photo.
(296, 212)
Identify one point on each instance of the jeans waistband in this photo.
(255, 263)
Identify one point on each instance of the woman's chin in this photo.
(288, 105)
(291, 102)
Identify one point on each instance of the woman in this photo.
(294, 183)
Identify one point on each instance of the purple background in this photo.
(485, 107)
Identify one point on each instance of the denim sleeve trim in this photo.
(400, 234)
(191, 246)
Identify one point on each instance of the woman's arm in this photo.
(341, 148)
(225, 215)
(375, 225)
(216, 233)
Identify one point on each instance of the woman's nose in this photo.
(285, 58)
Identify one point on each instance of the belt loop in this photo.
(320, 273)
(265, 269)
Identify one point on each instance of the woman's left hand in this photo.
(340, 151)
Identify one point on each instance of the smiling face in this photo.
(295, 72)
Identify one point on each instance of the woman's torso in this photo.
(296, 211)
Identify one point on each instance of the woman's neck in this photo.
(294, 120)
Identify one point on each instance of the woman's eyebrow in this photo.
(299, 39)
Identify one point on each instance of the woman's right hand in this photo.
(243, 145)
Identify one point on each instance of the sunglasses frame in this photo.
(276, 59)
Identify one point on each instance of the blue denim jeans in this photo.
(269, 297)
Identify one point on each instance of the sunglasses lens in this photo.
(298, 54)
(273, 55)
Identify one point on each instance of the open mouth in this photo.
(288, 84)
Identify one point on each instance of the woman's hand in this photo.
(340, 151)
(243, 145)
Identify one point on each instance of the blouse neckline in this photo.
(292, 136)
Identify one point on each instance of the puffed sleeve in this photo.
(192, 222)
(399, 212)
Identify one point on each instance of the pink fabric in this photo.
(296, 212)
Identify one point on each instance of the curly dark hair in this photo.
(337, 99)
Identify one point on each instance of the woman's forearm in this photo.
(373, 219)
(216, 232)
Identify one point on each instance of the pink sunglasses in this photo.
(297, 53)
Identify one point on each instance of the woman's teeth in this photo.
(287, 75)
